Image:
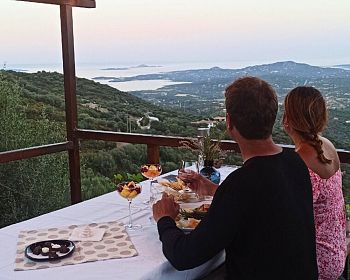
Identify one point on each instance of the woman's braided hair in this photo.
(306, 112)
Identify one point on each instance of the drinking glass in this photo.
(151, 171)
(186, 167)
(156, 194)
(129, 190)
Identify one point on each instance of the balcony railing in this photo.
(153, 142)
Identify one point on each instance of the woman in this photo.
(304, 119)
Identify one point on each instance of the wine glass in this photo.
(129, 190)
(151, 171)
(187, 167)
(156, 194)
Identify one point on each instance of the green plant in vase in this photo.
(208, 151)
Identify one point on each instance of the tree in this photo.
(34, 186)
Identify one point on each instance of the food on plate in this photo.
(170, 191)
(177, 185)
(49, 250)
(187, 223)
(47, 244)
(56, 247)
(188, 196)
(196, 213)
(189, 218)
(64, 249)
(37, 250)
(45, 251)
(52, 255)
(203, 208)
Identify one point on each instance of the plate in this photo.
(185, 225)
(170, 178)
(188, 196)
(55, 255)
(186, 230)
(189, 218)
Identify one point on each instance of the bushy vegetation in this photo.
(34, 186)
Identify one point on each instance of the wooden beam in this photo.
(169, 141)
(133, 138)
(34, 151)
(73, 3)
(70, 99)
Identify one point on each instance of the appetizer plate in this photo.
(34, 251)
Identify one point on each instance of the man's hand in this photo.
(165, 207)
(198, 183)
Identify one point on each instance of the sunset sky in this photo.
(175, 31)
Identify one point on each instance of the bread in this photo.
(178, 185)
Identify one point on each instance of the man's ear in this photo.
(284, 119)
(229, 124)
(285, 122)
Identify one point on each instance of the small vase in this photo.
(210, 172)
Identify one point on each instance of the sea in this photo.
(90, 71)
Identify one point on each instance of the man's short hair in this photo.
(252, 106)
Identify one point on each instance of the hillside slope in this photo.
(99, 106)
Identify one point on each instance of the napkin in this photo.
(87, 234)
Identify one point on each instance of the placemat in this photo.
(114, 245)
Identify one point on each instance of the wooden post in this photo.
(71, 100)
(152, 153)
(70, 87)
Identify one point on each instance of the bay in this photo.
(90, 71)
(114, 70)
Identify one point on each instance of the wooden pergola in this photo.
(74, 134)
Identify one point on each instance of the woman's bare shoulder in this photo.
(324, 170)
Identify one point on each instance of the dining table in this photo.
(148, 263)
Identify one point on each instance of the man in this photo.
(262, 213)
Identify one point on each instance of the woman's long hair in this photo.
(306, 113)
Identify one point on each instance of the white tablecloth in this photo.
(149, 264)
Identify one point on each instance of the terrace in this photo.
(75, 134)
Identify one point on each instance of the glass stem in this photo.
(130, 218)
(150, 192)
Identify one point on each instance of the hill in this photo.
(99, 106)
(203, 92)
(285, 68)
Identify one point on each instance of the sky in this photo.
(124, 32)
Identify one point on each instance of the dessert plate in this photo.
(49, 250)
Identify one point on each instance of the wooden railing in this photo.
(153, 142)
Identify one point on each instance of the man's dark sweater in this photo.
(261, 215)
